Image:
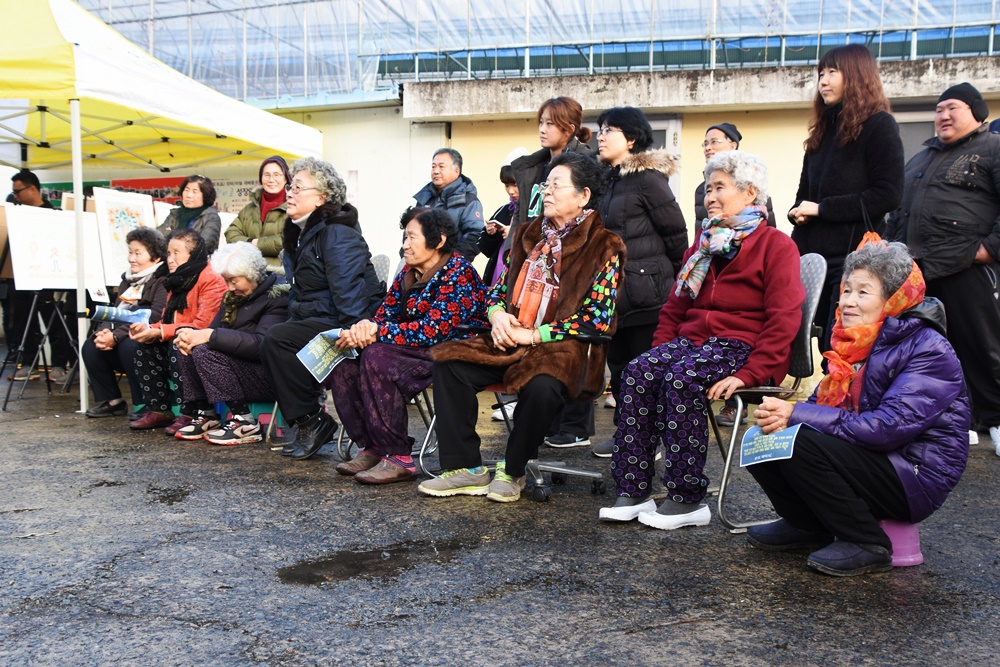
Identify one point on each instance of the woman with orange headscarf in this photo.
(889, 423)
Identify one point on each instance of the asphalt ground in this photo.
(123, 548)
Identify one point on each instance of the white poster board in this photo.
(43, 249)
(118, 213)
(161, 210)
(227, 220)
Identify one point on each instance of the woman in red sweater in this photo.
(729, 323)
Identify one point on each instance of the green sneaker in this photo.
(504, 488)
(460, 482)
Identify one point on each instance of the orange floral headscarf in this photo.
(850, 346)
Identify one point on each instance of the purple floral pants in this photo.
(219, 377)
(663, 396)
(372, 391)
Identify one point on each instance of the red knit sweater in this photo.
(756, 298)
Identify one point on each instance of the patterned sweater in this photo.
(594, 316)
(429, 312)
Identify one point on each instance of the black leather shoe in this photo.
(105, 409)
(313, 434)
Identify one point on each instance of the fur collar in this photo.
(658, 160)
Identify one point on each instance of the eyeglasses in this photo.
(296, 188)
(547, 185)
(607, 129)
(272, 177)
(714, 142)
(17, 191)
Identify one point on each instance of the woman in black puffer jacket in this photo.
(640, 207)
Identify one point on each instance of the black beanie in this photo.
(729, 130)
(965, 92)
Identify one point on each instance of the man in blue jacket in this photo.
(451, 190)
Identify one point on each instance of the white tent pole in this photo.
(81, 253)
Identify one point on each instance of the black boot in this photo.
(314, 431)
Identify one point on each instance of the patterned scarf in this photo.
(536, 291)
(231, 303)
(721, 238)
(182, 280)
(136, 283)
(850, 346)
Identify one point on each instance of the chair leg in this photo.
(270, 424)
(425, 446)
(736, 527)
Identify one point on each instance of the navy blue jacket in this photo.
(913, 407)
(461, 200)
(330, 268)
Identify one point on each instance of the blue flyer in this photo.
(758, 446)
(121, 315)
(320, 356)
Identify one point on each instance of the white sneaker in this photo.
(626, 513)
(508, 407)
(697, 517)
(995, 437)
(610, 402)
(973, 438)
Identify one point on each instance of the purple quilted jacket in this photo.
(913, 407)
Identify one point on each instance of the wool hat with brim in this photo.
(729, 130)
(966, 92)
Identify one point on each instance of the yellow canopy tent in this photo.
(74, 92)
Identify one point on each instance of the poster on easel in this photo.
(118, 213)
(43, 249)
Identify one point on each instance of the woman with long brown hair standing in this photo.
(852, 173)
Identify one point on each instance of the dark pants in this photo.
(294, 385)
(156, 366)
(211, 376)
(627, 344)
(971, 303)
(576, 417)
(372, 391)
(102, 364)
(835, 486)
(456, 384)
(829, 299)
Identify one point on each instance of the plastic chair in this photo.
(905, 538)
(381, 264)
(813, 273)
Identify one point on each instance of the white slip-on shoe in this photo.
(628, 512)
(697, 517)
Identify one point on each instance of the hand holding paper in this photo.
(773, 414)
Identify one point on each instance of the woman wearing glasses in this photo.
(261, 220)
(639, 206)
(561, 282)
(196, 211)
(333, 285)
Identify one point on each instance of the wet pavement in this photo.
(137, 549)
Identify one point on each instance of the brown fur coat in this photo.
(578, 365)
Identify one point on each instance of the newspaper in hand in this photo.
(121, 315)
(320, 356)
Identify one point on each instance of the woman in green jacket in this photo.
(261, 221)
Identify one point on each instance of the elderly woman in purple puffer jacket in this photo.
(891, 423)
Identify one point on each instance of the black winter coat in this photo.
(866, 172)
(491, 245)
(267, 306)
(639, 206)
(951, 204)
(154, 297)
(700, 212)
(330, 268)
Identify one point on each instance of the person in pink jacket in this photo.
(195, 294)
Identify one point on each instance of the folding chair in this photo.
(426, 409)
(813, 273)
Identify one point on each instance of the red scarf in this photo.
(269, 202)
(850, 346)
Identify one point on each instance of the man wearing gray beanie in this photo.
(950, 219)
